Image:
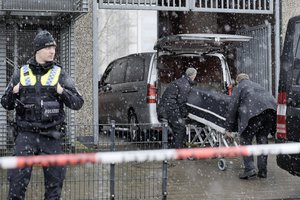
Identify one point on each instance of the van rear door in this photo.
(289, 85)
(177, 52)
(203, 43)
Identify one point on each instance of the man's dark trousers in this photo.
(259, 126)
(179, 131)
(28, 143)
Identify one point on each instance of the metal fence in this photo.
(258, 60)
(131, 181)
(234, 6)
(42, 5)
(220, 6)
(17, 48)
(180, 5)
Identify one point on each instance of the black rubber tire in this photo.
(222, 164)
(134, 129)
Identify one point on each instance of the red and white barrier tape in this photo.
(147, 155)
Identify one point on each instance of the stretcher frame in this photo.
(204, 133)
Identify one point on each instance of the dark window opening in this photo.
(209, 76)
(117, 73)
(135, 70)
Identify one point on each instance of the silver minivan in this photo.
(131, 86)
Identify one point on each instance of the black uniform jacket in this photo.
(70, 96)
(248, 100)
(174, 98)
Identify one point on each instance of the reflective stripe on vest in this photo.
(51, 77)
(27, 78)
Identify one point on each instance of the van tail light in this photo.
(151, 94)
(281, 116)
(230, 87)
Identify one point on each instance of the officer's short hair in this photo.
(191, 72)
(241, 76)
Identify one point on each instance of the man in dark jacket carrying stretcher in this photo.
(253, 110)
(172, 106)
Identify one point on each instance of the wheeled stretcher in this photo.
(206, 124)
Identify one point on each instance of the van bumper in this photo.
(289, 162)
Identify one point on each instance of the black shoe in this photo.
(248, 174)
(262, 174)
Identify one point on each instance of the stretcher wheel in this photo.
(222, 164)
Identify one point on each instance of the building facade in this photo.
(86, 69)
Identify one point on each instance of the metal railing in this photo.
(234, 6)
(180, 5)
(254, 59)
(42, 5)
(221, 6)
(132, 180)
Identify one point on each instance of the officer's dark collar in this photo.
(40, 69)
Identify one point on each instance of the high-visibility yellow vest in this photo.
(27, 78)
(39, 100)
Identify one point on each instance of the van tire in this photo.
(134, 129)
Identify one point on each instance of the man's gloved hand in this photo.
(229, 136)
(59, 89)
(16, 88)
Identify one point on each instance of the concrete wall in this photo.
(84, 65)
(290, 8)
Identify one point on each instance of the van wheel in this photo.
(134, 129)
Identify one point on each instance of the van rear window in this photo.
(209, 76)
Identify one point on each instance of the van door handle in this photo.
(129, 91)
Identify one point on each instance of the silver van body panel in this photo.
(116, 103)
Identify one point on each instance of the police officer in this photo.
(38, 91)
